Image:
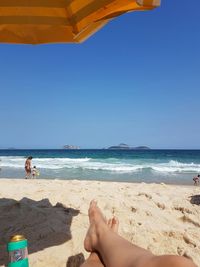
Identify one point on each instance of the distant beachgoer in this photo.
(28, 167)
(196, 179)
(35, 172)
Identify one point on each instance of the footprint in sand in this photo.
(189, 241)
(133, 209)
(160, 205)
(187, 219)
(183, 210)
(145, 194)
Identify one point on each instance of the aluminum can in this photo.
(18, 251)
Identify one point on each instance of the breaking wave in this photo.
(110, 165)
(42, 163)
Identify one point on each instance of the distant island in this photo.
(71, 147)
(127, 147)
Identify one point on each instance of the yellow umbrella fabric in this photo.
(60, 21)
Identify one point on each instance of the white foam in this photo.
(42, 163)
(175, 166)
(110, 165)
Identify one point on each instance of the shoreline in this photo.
(103, 181)
(52, 214)
(168, 166)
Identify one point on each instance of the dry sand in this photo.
(52, 214)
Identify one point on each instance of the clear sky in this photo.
(136, 81)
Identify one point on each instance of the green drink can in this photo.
(18, 252)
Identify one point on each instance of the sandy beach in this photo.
(52, 214)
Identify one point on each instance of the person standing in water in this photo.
(35, 172)
(28, 167)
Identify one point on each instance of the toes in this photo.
(93, 203)
(115, 224)
(110, 223)
(95, 213)
(115, 221)
(91, 211)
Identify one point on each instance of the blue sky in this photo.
(136, 81)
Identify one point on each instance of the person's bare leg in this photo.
(115, 251)
(94, 260)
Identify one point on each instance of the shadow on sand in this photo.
(195, 199)
(75, 261)
(41, 223)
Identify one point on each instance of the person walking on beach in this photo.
(109, 249)
(28, 166)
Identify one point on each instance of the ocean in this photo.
(157, 166)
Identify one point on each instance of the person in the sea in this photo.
(196, 179)
(109, 249)
(28, 167)
(35, 172)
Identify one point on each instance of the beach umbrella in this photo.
(60, 21)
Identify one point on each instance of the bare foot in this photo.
(94, 259)
(113, 224)
(98, 225)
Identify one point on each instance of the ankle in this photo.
(93, 256)
(101, 232)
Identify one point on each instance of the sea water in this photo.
(167, 166)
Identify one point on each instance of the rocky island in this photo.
(123, 146)
(71, 147)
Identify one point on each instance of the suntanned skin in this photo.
(28, 167)
(115, 251)
(94, 259)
